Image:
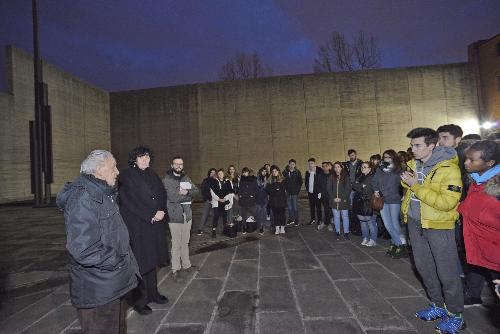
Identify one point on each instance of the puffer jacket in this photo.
(439, 195)
(481, 218)
(178, 205)
(102, 266)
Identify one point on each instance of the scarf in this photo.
(480, 179)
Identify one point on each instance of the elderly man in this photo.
(180, 191)
(102, 266)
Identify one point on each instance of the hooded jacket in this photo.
(434, 199)
(102, 266)
(177, 204)
(247, 191)
(293, 181)
(481, 222)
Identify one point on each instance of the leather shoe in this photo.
(143, 310)
(161, 299)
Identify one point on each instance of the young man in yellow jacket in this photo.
(429, 207)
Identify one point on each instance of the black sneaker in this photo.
(290, 223)
(261, 231)
(400, 252)
(346, 236)
(200, 232)
(391, 249)
(312, 222)
(337, 235)
(214, 233)
(472, 301)
(145, 310)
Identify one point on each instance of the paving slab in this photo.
(338, 268)
(270, 245)
(300, 259)
(247, 251)
(272, 264)
(316, 295)
(280, 323)
(384, 281)
(242, 276)
(275, 294)
(217, 264)
(333, 326)
(235, 313)
(351, 253)
(32, 313)
(370, 307)
(182, 329)
(54, 322)
(404, 271)
(196, 303)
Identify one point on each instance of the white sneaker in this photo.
(321, 226)
(371, 243)
(364, 242)
(277, 230)
(330, 228)
(268, 218)
(282, 230)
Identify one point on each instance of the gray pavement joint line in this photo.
(26, 307)
(257, 319)
(380, 294)
(179, 296)
(326, 318)
(40, 319)
(221, 293)
(387, 269)
(292, 287)
(335, 286)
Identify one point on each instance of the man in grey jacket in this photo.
(180, 192)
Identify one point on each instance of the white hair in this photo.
(95, 160)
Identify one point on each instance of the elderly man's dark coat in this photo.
(141, 195)
(102, 266)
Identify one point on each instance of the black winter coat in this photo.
(362, 202)
(141, 195)
(277, 194)
(102, 266)
(205, 189)
(247, 191)
(339, 188)
(319, 181)
(293, 181)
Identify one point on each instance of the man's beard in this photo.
(177, 172)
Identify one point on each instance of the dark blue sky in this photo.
(125, 44)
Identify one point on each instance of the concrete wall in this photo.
(80, 122)
(248, 123)
(483, 55)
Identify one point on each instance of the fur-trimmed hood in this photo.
(492, 187)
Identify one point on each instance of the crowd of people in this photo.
(438, 201)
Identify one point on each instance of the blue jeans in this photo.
(390, 216)
(368, 227)
(345, 219)
(293, 208)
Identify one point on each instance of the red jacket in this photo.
(481, 221)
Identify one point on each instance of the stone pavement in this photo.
(302, 282)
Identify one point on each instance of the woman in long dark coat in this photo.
(143, 205)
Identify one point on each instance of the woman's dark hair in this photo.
(137, 152)
(210, 171)
(396, 161)
(404, 157)
(490, 150)
(343, 172)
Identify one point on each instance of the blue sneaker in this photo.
(451, 324)
(432, 313)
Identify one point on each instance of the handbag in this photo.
(378, 202)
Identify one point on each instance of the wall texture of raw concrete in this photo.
(249, 123)
(80, 123)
